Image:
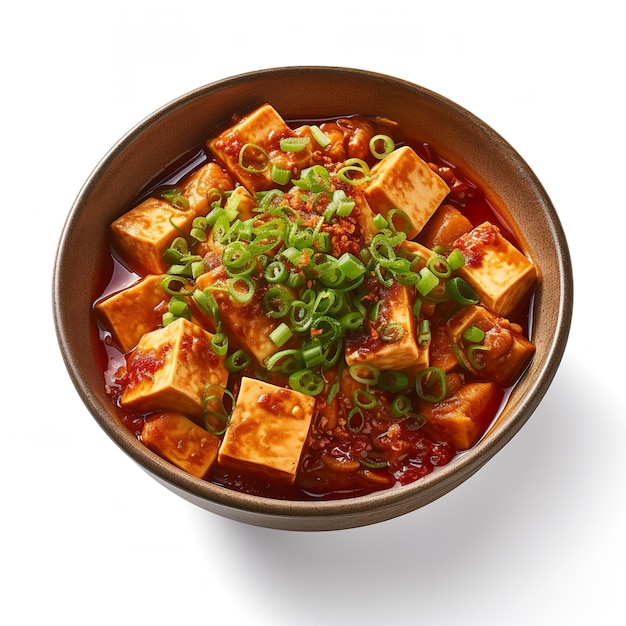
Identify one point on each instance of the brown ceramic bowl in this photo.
(301, 93)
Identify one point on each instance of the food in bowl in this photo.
(313, 309)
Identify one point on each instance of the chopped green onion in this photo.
(392, 332)
(380, 222)
(237, 361)
(393, 381)
(293, 144)
(399, 406)
(281, 335)
(218, 411)
(280, 176)
(364, 373)
(277, 301)
(354, 172)
(424, 337)
(439, 266)
(427, 282)
(355, 420)
(173, 196)
(478, 365)
(319, 136)
(219, 343)
(239, 295)
(306, 381)
(473, 334)
(253, 158)
(350, 265)
(363, 399)
(461, 292)
(388, 146)
(424, 384)
(455, 259)
(407, 225)
(352, 320)
(276, 272)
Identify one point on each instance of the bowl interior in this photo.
(305, 93)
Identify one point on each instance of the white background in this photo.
(535, 537)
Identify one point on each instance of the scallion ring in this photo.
(387, 146)
(431, 378)
(253, 158)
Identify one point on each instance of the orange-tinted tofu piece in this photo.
(463, 417)
(261, 129)
(402, 180)
(197, 186)
(134, 311)
(446, 225)
(170, 369)
(500, 274)
(142, 234)
(181, 441)
(267, 430)
(508, 351)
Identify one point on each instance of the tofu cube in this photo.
(402, 180)
(181, 441)
(499, 273)
(170, 369)
(464, 416)
(245, 324)
(197, 185)
(368, 345)
(446, 225)
(267, 430)
(263, 128)
(508, 351)
(143, 302)
(142, 234)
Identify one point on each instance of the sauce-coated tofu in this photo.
(170, 369)
(180, 441)
(246, 324)
(142, 234)
(267, 430)
(499, 273)
(446, 225)
(144, 303)
(402, 180)
(369, 345)
(197, 186)
(461, 418)
(508, 350)
(264, 128)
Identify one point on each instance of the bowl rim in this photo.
(389, 501)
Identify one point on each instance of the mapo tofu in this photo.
(318, 313)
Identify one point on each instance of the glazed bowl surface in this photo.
(310, 93)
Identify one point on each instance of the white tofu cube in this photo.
(267, 430)
(142, 234)
(170, 369)
(402, 180)
(499, 273)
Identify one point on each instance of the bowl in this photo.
(302, 93)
